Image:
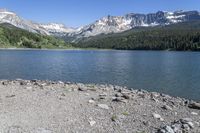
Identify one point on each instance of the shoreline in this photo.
(49, 106)
(95, 49)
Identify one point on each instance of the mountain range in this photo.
(105, 25)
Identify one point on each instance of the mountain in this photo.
(45, 29)
(105, 25)
(13, 37)
(116, 24)
(180, 36)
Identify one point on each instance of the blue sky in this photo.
(75, 13)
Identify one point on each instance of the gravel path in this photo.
(57, 107)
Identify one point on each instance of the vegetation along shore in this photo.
(177, 37)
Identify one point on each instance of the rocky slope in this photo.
(46, 29)
(105, 25)
(115, 24)
(55, 107)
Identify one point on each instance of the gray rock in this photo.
(168, 129)
(92, 123)
(176, 127)
(126, 96)
(82, 88)
(91, 101)
(103, 106)
(157, 116)
(103, 96)
(194, 105)
(118, 95)
(166, 107)
(185, 120)
(194, 113)
(119, 99)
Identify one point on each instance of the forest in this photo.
(182, 36)
(13, 37)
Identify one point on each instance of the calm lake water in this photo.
(175, 73)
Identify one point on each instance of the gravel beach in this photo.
(33, 106)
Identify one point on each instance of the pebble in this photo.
(91, 101)
(118, 95)
(168, 129)
(194, 105)
(185, 120)
(126, 96)
(29, 88)
(119, 99)
(194, 113)
(82, 88)
(166, 107)
(102, 96)
(92, 123)
(157, 116)
(103, 106)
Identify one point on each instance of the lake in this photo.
(174, 73)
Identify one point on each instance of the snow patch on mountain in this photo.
(105, 25)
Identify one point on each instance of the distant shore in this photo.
(53, 49)
(49, 107)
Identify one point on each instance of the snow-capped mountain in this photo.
(47, 29)
(115, 24)
(105, 25)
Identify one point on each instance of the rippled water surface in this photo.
(175, 73)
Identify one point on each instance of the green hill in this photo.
(181, 36)
(13, 37)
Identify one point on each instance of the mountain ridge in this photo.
(104, 25)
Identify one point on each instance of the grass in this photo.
(125, 113)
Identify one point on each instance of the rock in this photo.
(154, 94)
(194, 113)
(10, 96)
(168, 129)
(92, 123)
(180, 126)
(154, 99)
(185, 120)
(91, 101)
(102, 96)
(4, 83)
(103, 106)
(63, 95)
(29, 88)
(166, 107)
(142, 95)
(60, 82)
(82, 88)
(118, 95)
(157, 116)
(194, 105)
(146, 123)
(186, 127)
(176, 127)
(119, 99)
(191, 124)
(23, 83)
(118, 89)
(126, 96)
